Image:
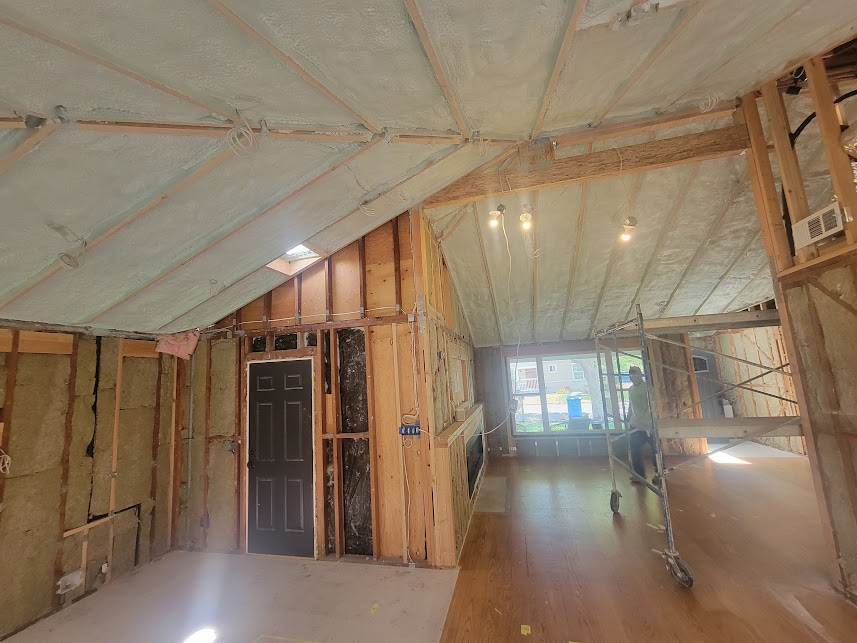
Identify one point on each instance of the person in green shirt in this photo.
(640, 422)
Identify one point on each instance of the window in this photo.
(577, 373)
(552, 368)
(700, 364)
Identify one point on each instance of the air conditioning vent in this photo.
(821, 225)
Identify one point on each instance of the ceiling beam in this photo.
(290, 62)
(28, 144)
(665, 120)
(575, 255)
(704, 323)
(651, 155)
(731, 267)
(221, 131)
(678, 204)
(559, 64)
(730, 200)
(254, 218)
(90, 245)
(641, 71)
(103, 62)
(422, 32)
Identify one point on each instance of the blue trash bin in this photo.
(574, 408)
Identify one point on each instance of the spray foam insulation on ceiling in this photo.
(269, 237)
(78, 185)
(751, 261)
(378, 64)
(177, 228)
(186, 46)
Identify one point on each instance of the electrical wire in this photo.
(5, 462)
(241, 138)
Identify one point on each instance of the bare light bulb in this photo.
(526, 225)
(493, 222)
(625, 236)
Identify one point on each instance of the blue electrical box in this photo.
(410, 429)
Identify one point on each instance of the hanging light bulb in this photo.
(495, 215)
(527, 217)
(627, 228)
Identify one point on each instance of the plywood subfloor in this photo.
(562, 566)
(256, 598)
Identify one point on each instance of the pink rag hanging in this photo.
(179, 344)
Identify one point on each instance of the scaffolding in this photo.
(610, 373)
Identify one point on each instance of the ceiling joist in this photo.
(559, 64)
(651, 155)
(103, 62)
(26, 146)
(422, 32)
(287, 60)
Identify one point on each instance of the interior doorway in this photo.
(280, 458)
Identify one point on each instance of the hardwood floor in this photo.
(557, 560)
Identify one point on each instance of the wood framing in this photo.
(437, 67)
(30, 142)
(290, 62)
(114, 459)
(103, 62)
(652, 155)
(8, 404)
(790, 174)
(156, 443)
(373, 448)
(559, 64)
(764, 188)
(235, 230)
(665, 120)
(841, 172)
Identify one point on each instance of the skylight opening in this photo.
(300, 252)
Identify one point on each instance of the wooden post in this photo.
(328, 289)
(177, 453)
(361, 260)
(242, 438)
(298, 285)
(173, 417)
(339, 535)
(318, 431)
(206, 445)
(401, 456)
(838, 161)
(765, 194)
(114, 462)
(373, 445)
(156, 442)
(779, 259)
(66, 451)
(790, 173)
(397, 267)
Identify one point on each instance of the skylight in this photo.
(300, 252)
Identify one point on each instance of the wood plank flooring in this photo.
(558, 561)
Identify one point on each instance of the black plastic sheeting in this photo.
(286, 342)
(352, 380)
(357, 496)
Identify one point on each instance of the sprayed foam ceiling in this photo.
(170, 231)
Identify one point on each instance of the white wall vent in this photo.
(818, 226)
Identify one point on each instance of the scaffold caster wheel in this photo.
(656, 480)
(614, 501)
(680, 571)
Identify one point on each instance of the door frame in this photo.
(246, 437)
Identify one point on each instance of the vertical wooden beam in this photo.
(762, 181)
(837, 159)
(206, 447)
(114, 460)
(318, 430)
(176, 453)
(66, 451)
(173, 418)
(397, 267)
(156, 443)
(298, 288)
(243, 440)
(361, 260)
(405, 499)
(779, 257)
(328, 289)
(236, 441)
(339, 535)
(373, 445)
(790, 174)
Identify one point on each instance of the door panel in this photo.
(280, 459)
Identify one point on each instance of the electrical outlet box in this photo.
(70, 581)
(410, 429)
(104, 568)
